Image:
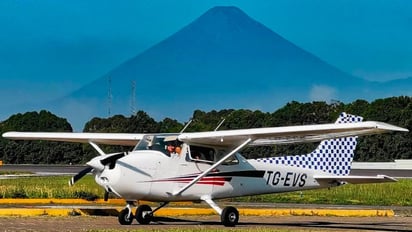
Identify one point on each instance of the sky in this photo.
(49, 48)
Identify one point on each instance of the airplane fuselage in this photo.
(153, 176)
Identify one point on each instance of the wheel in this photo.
(229, 216)
(144, 214)
(125, 218)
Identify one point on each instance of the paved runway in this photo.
(43, 169)
(206, 223)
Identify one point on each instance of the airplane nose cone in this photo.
(96, 164)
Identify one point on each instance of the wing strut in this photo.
(220, 123)
(194, 181)
(97, 148)
(187, 124)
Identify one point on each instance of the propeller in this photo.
(106, 195)
(79, 175)
(98, 163)
(111, 159)
(82, 173)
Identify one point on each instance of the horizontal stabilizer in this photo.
(354, 179)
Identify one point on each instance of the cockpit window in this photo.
(230, 161)
(210, 155)
(154, 142)
(202, 153)
(145, 143)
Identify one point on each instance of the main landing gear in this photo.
(143, 214)
(229, 216)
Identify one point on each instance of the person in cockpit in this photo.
(173, 147)
(170, 148)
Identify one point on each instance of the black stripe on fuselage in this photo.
(252, 173)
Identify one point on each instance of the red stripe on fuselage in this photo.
(205, 180)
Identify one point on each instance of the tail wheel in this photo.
(125, 218)
(229, 216)
(144, 214)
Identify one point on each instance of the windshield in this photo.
(155, 142)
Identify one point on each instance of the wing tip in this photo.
(390, 127)
(8, 134)
(387, 178)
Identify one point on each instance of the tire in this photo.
(144, 214)
(229, 216)
(124, 218)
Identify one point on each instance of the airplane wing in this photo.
(354, 179)
(287, 134)
(123, 139)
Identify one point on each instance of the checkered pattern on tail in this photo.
(333, 156)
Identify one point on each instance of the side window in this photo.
(230, 161)
(199, 153)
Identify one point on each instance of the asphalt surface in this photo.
(43, 169)
(206, 223)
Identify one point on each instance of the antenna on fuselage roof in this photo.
(220, 123)
(187, 124)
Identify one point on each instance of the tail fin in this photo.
(333, 156)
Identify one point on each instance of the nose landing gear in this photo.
(144, 213)
(126, 216)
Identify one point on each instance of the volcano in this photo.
(222, 60)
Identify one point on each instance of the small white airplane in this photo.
(205, 166)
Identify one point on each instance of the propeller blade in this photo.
(79, 175)
(111, 160)
(106, 195)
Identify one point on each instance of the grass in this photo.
(397, 193)
(50, 187)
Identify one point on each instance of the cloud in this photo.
(322, 93)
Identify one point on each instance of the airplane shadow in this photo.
(382, 226)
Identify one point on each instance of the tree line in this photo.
(385, 147)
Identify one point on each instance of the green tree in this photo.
(38, 152)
